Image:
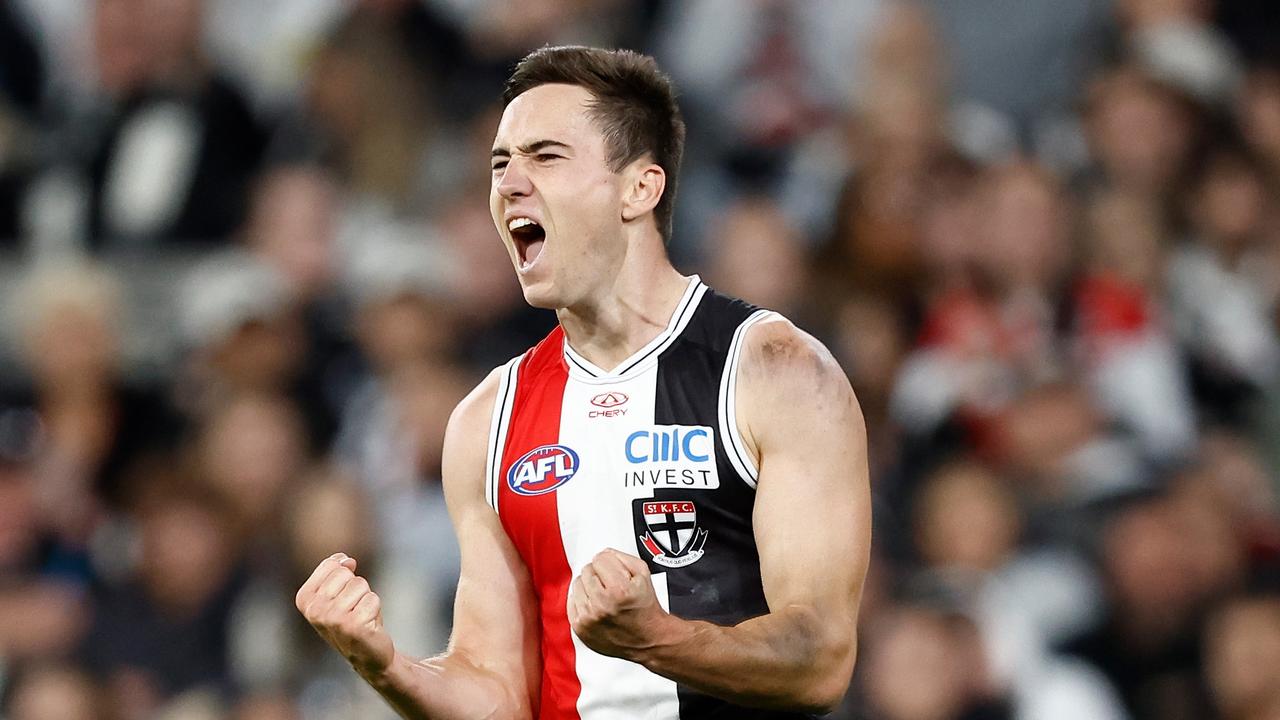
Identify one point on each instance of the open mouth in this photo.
(529, 237)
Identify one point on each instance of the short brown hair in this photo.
(634, 107)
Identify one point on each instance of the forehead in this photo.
(547, 112)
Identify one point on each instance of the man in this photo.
(663, 507)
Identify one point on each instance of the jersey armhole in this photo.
(498, 428)
(735, 448)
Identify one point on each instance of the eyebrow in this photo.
(529, 149)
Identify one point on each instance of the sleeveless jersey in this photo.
(645, 459)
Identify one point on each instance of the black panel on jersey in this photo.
(723, 586)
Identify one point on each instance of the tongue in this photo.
(531, 252)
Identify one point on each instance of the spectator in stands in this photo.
(162, 630)
(252, 451)
(926, 663)
(371, 102)
(99, 427)
(292, 226)
(994, 335)
(1224, 285)
(246, 336)
(1141, 133)
(1148, 644)
(969, 530)
(757, 254)
(1121, 334)
(164, 151)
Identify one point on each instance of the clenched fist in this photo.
(612, 606)
(347, 614)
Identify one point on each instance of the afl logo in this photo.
(542, 470)
(609, 400)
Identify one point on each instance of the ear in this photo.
(645, 183)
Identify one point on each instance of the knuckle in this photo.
(312, 610)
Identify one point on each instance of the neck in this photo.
(631, 311)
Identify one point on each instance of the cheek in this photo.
(495, 208)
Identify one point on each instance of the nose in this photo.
(514, 182)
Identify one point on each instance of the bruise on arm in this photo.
(787, 373)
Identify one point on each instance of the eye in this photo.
(499, 164)
(546, 157)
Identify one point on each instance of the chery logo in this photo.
(610, 405)
(609, 399)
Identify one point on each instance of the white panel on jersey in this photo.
(596, 513)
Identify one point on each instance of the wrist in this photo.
(669, 635)
(394, 674)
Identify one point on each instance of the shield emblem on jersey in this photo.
(671, 523)
(667, 532)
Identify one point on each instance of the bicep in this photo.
(812, 514)
(494, 621)
(494, 617)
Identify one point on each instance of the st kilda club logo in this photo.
(668, 532)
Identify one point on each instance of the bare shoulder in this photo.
(789, 382)
(474, 410)
(777, 354)
(466, 439)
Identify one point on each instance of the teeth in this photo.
(517, 223)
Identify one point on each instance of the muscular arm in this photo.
(491, 667)
(812, 524)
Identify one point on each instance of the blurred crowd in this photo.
(247, 269)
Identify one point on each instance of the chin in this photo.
(542, 297)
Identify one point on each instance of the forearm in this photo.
(447, 687)
(790, 659)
